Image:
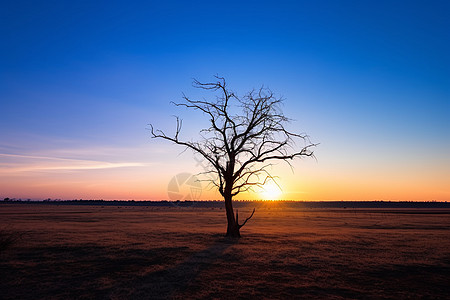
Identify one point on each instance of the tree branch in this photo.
(245, 219)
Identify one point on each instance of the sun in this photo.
(271, 191)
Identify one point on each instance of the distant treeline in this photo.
(241, 203)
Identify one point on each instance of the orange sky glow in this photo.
(42, 177)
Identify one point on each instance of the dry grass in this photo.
(8, 239)
(93, 252)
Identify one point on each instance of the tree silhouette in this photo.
(245, 135)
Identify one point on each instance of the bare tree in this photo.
(245, 135)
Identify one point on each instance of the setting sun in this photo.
(271, 191)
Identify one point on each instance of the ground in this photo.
(119, 252)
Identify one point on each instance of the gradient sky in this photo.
(80, 81)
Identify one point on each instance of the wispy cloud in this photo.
(18, 163)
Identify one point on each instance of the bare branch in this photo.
(244, 135)
(245, 219)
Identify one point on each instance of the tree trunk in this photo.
(233, 226)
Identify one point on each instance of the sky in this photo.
(81, 80)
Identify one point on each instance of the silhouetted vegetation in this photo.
(247, 203)
(246, 134)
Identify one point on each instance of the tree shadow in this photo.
(167, 283)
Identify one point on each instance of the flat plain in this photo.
(143, 252)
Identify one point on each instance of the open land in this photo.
(173, 252)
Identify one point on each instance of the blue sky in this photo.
(369, 80)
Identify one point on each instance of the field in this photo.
(142, 252)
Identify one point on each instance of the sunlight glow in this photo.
(270, 191)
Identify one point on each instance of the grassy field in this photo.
(118, 252)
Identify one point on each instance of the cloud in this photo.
(17, 163)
